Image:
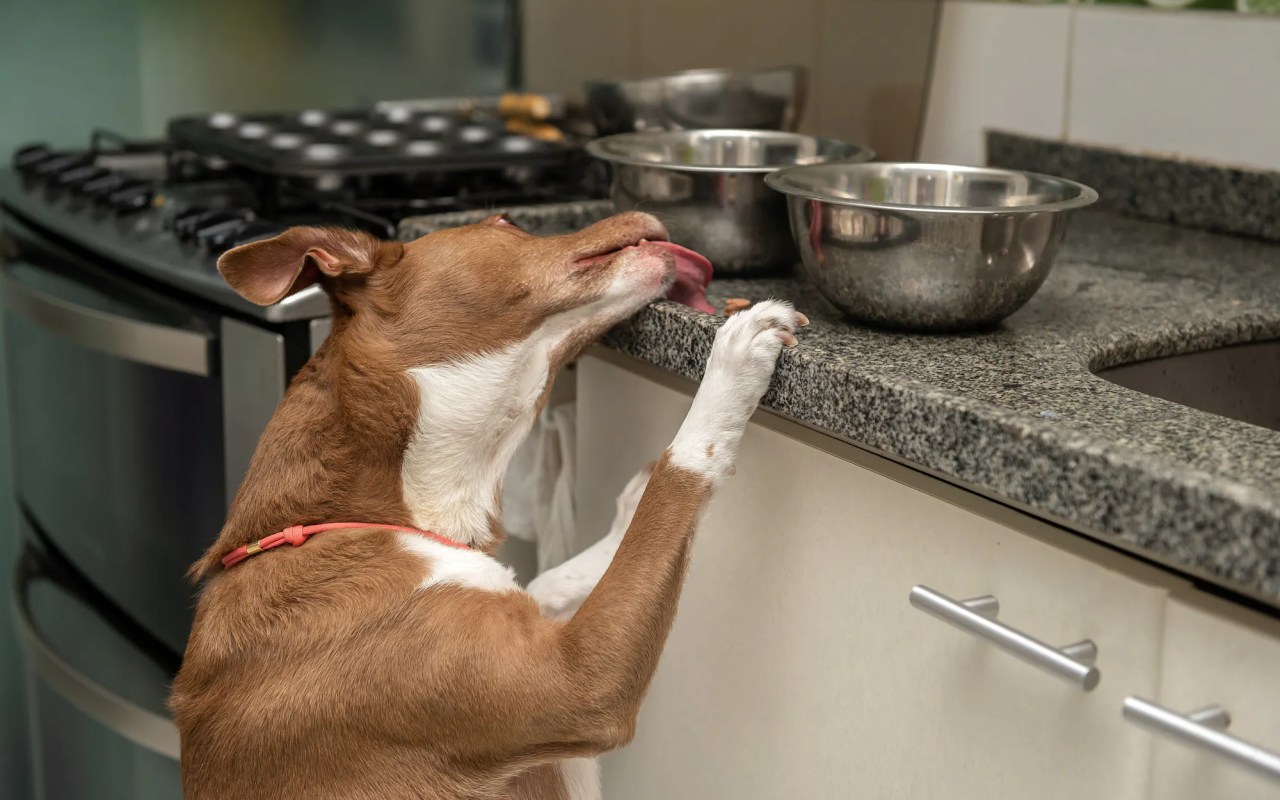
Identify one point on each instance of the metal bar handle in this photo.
(138, 725)
(1205, 730)
(143, 342)
(1074, 662)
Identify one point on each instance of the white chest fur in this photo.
(458, 567)
(472, 415)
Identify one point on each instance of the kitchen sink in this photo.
(1241, 382)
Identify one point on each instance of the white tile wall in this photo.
(1201, 85)
(996, 65)
(1192, 84)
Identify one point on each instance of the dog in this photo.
(392, 656)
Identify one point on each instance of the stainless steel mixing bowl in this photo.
(708, 188)
(925, 246)
(767, 99)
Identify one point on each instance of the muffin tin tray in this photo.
(363, 142)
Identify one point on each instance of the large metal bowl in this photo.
(925, 246)
(708, 188)
(766, 99)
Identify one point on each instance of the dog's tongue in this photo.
(693, 273)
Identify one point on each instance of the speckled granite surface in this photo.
(1016, 412)
(1185, 192)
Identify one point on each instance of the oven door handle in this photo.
(135, 340)
(140, 726)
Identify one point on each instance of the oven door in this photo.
(116, 416)
(96, 691)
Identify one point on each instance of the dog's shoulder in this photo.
(454, 566)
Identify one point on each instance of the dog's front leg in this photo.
(615, 637)
(563, 689)
(561, 589)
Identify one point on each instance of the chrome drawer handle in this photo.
(1206, 730)
(1073, 662)
(148, 343)
(140, 726)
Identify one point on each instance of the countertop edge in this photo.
(1091, 486)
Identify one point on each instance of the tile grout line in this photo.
(1072, 10)
(819, 80)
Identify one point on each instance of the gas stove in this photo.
(127, 350)
(166, 209)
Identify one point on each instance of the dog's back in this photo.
(296, 685)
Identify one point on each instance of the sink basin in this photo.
(1241, 382)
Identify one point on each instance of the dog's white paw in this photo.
(561, 590)
(747, 346)
(742, 362)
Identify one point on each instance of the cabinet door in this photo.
(1211, 659)
(797, 667)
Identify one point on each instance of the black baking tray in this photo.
(363, 142)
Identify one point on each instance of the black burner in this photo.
(218, 201)
(168, 208)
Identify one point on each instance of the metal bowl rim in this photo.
(701, 72)
(1086, 196)
(856, 152)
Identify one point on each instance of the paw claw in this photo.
(789, 339)
(801, 319)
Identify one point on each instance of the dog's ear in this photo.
(267, 271)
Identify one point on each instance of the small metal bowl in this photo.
(764, 99)
(708, 187)
(927, 247)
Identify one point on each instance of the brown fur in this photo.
(325, 671)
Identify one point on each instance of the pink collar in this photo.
(298, 534)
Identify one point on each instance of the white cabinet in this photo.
(1229, 659)
(797, 667)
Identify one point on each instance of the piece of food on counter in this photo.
(733, 305)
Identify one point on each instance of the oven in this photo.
(96, 687)
(130, 429)
(127, 429)
(139, 383)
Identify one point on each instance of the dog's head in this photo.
(476, 288)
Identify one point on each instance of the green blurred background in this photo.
(68, 66)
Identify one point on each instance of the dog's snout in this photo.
(615, 233)
(648, 222)
(630, 225)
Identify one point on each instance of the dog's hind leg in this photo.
(561, 589)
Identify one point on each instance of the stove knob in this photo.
(252, 231)
(188, 224)
(54, 165)
(184, 222)
(25, 159)
(100, 187)
(130, 196)
(218, 234)
(76, 177)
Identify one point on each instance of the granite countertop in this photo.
(1017, 414)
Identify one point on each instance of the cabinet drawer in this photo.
(798, 668)
(1211, 659)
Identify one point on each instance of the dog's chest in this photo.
(445, 565)
(471, 418)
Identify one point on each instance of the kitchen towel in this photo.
(537, 497)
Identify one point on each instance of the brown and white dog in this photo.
(376, 664)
